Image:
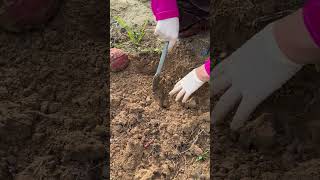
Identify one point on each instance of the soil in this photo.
(281, 141)
(154, 137)
(51, 94)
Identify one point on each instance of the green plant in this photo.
(151, 50)
(135, 35)
(203, 156)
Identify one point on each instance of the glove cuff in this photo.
(194, 74)
(275, 49)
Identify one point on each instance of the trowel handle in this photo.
(163, 57)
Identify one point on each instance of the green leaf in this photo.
(135, 36)
(203, 156)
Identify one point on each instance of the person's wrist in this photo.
(202, 74)
(294, 39)
(172, 19)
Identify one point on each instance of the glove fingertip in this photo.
(171, 93)
(185, 98)
(175, 90)
(180, 94)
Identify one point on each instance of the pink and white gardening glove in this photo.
(186, 86)
(249, 76)
(168, 30)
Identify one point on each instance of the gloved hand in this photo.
(168, 30)
(249, 76)
(186, 86)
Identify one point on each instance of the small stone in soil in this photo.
(192, 104)
(196, 150)
(259, 132)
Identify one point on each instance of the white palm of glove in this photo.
(168, 30)
(249, 76)
(186, 86)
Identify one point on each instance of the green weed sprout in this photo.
(135, 35)
(203, 156)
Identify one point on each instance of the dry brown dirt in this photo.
(149, 141)
(51, 93)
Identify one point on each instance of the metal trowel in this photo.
(156, 77)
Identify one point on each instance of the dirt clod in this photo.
(259, 133)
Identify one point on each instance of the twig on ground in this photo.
(195, 140)
(177, 171)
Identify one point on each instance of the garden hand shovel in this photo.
(156, 77)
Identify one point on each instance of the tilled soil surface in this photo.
(154, 137)
(282, 139)
(149, 141)
(51, 93)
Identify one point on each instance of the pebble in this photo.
(198, 151)
(148, 100)
(166, 168)
(192, 104)
(115, 101)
